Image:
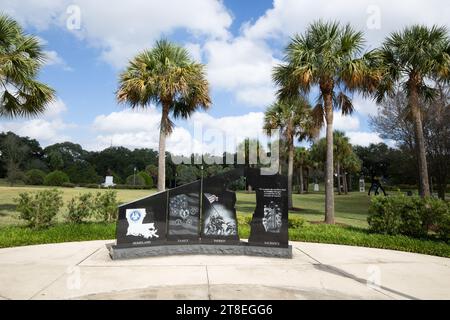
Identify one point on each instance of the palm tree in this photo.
(342, 150)
(300, 161)
(410, 58)
(21, 58)
(293, 118)
(165, 75)
(352, 165)
(329, 56)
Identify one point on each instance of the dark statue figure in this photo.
(376, 185)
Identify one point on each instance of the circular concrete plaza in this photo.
(84, 270)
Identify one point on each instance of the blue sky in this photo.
(239, 42)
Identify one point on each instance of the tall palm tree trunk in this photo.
(329, 192)
(301, 183)
(338, 167)
(349, 185)
(162, 148)
(280, 168)
(307, 181)
(420, 143)
(344, 183)
(290, 172)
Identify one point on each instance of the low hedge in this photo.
(35, 177)
(410, 216)
(56, 178)
(117, 186)
(68, 185)
(132, 187)
(318, 233)
(40, 208)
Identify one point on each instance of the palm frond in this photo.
(344, 103)
(318, 115)
(21, 58)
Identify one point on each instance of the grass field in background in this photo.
(9, 217)
(350, 209)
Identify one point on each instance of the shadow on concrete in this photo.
(339, 272)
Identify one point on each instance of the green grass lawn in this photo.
(350, 209)
(21, 236)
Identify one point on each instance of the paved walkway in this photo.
(83, 270)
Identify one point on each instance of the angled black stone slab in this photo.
(184, 214)
(269, 226)
(219, 221)
(143, 222)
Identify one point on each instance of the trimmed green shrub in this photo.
(131, 187)
(56, 178)
(433, 212)
(443, 225)
(147, 178)
(296, 222)
(238, 184)
(80, 207)
(116, 178)
(135, 180)
(384, 215)
(15, 175)
(92, 186)
(69, 185)
(106, 205)
(411, 216)
(35, 177)
(39, 208)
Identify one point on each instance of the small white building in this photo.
(109, 182)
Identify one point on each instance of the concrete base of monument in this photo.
(117, 252)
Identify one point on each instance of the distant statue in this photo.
(376, 185)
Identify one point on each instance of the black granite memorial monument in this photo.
(200, 218)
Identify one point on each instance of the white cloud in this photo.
(195, 50)
(225, 133)
(55, 109)
(205, 134)
(46, 132)
(345, 123)
(365, 106)
(54, 59)
(48, 129)
(292, 16)
(363, 138)
(243, 67)
(128, 121)
(123, 28)
(38, 14)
